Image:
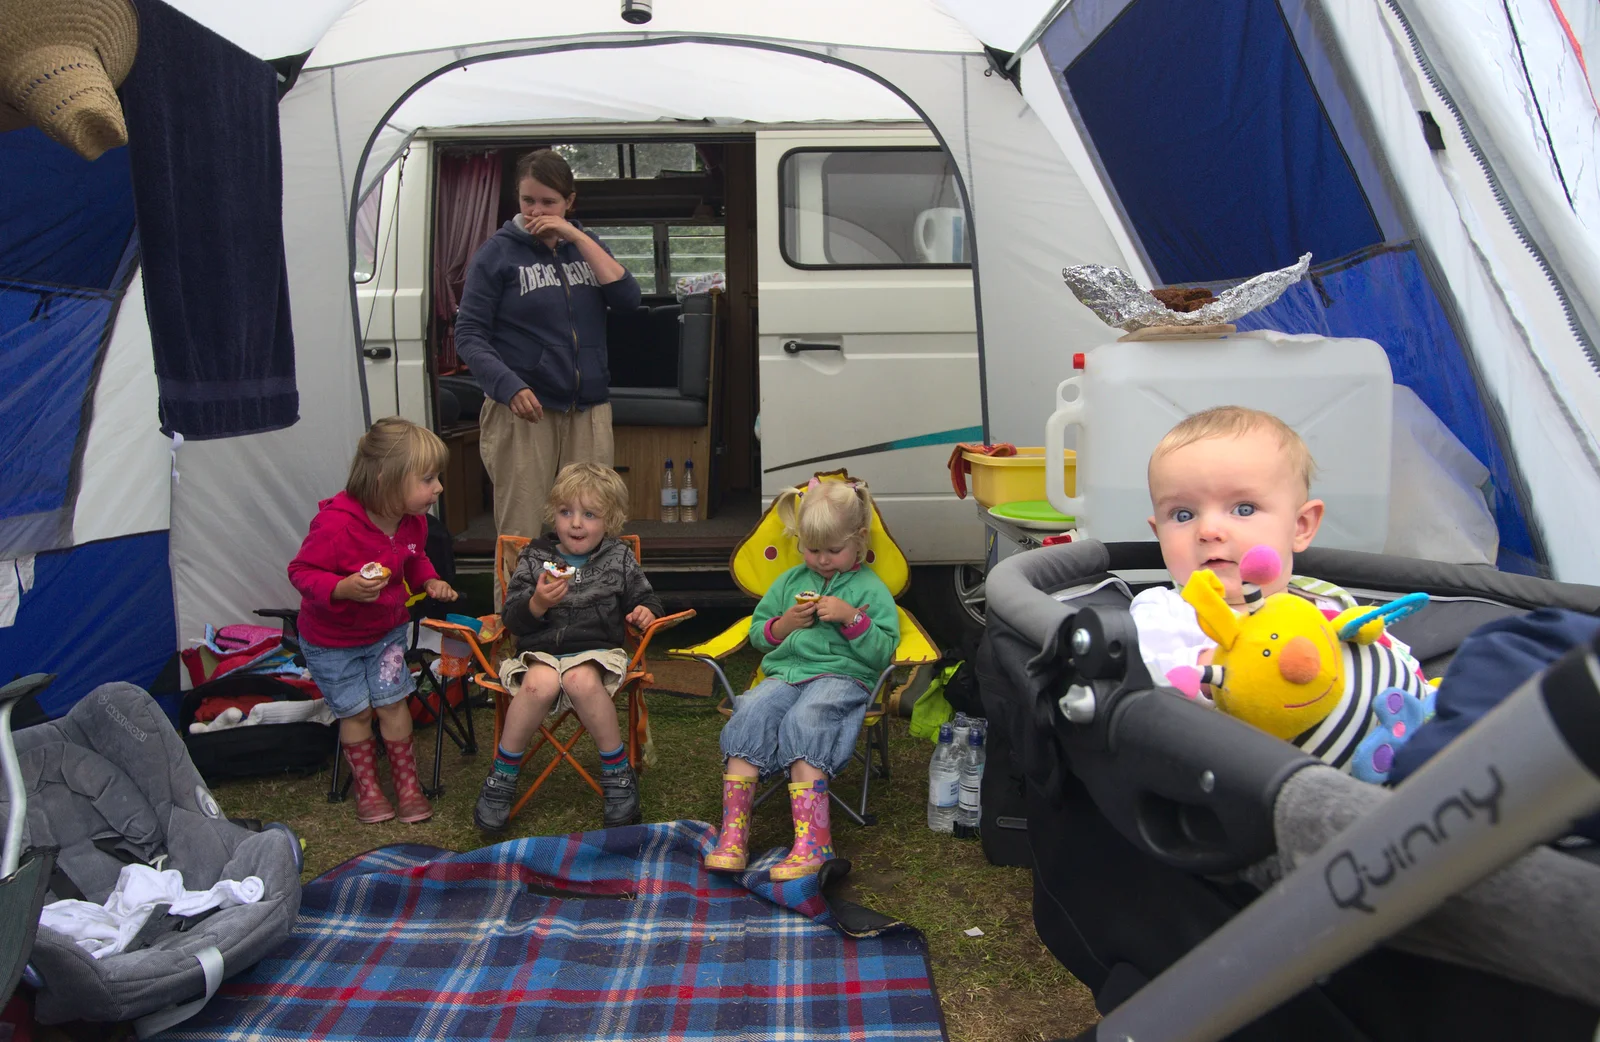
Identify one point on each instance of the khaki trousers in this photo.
(522, 458)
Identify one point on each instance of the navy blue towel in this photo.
(208, 196)
(1492, 662)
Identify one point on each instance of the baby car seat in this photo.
(110, 784)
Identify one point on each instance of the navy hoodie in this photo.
(535, 317)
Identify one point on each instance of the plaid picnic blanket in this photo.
(613, 935)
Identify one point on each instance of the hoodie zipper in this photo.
(577, 368)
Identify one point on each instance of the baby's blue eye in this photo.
(1183, 516)
(1245, 509)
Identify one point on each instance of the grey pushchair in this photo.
(1206, 880)
(109, 785)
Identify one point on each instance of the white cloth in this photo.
(16, 579)
(1169, 631)
(107, 929)
(313, 710)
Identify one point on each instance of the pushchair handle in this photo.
(22, 687)
(16, 790)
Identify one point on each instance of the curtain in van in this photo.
(467, 208)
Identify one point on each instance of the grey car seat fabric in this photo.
(109, 784)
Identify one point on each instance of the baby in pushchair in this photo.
(1206, 879)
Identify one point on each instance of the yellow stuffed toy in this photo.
(1282, 667)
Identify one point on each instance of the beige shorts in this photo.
(613, 664)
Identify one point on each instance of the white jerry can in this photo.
(1337, 393)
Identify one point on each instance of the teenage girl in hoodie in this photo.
(532, 327)
(362, 560)
(829, 627)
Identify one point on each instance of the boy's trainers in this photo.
(494, 802)
(621, 790)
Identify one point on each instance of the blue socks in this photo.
(615, 761)
(506, 763)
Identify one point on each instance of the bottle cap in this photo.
(1077, 360)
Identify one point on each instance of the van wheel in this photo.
(950, 603)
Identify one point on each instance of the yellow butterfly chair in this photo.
(765, 554)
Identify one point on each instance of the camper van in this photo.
(841, 332)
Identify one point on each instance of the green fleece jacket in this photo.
(824, 647)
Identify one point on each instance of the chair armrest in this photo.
(286, 614)
(665, 622)
(719, 647)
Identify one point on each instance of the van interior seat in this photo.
(660, 361)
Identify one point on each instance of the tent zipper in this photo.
(1495, 186)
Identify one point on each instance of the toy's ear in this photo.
(1206, 594)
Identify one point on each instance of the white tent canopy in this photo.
(1517, 253)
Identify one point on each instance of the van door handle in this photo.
(794, 347)
(376, 353)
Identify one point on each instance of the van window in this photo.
(871, 208)
(610, 160)
(634, 246)
(367, 235)
(659, 252)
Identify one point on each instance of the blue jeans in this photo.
(818, 720)
(370, 676)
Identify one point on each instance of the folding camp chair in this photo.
(759, 559)
(490, 642)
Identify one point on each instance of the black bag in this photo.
(247, 752)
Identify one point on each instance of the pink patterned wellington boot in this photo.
(733, 842)
(813, 840)
(414, 806)
(371, 805)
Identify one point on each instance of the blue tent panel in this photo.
(49, 345)
(97, 613)
(1214, 138)
(65, 221)
(1384, 295)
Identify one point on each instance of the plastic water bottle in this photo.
(688, 495)
(669, 494)
(969, 805)
(944, 783)
(960, 727)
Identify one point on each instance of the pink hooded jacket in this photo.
(341, 540)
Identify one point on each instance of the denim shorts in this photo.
(818, 720)
(370, 676)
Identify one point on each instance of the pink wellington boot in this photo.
(813, 840)
(414, 806)
(733, 842)
(371, 805)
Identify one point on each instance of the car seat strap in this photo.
(210, 960)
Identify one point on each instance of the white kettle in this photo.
(940, 235)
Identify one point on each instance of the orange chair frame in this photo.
(494, 638)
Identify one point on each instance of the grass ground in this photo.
(1001, 987)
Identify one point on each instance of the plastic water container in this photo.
(1337, 393)
(455, 657)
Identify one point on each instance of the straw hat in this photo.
(60, 64)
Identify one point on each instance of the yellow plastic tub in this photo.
(1008, 479)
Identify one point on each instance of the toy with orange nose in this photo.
(1336, 687)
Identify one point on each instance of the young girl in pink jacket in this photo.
(362, 560)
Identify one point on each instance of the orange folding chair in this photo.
(491, 643)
